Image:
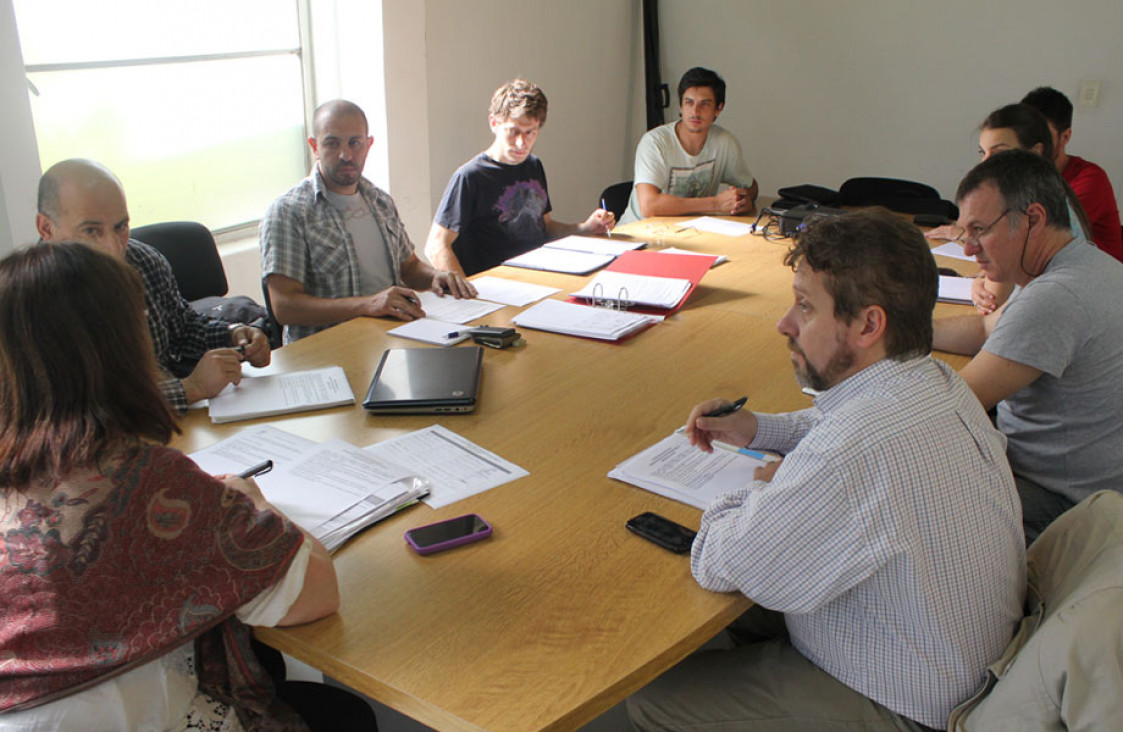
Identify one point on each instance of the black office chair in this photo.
(193, 255)
(903, 196)
(615, 198)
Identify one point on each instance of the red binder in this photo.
(690, 267)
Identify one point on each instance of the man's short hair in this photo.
(1029, 126)
(517, 99)
(699, 76)
(1021, 178)
(874, 257)
(1053, 105)
(335, 108)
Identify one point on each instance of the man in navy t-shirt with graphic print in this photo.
(496, 206)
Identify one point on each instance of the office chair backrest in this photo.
(1064, 667)
(904, 196)
(615, 198)
(191, 250)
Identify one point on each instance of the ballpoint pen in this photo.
(260, 469)
(728, 409)
(604, 207)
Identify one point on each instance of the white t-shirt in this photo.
(375, 268)
(662, 162)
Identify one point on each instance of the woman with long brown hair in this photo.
(126, 573)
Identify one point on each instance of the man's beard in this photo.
(809, 376)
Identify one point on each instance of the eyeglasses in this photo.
(975, 238)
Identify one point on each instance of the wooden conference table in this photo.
(563, 612)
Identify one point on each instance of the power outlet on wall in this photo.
(1089, 93)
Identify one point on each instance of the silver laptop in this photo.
(426, 381)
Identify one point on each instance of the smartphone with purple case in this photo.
(453, 532)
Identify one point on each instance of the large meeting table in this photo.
(562, 613)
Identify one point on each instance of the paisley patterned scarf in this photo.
(107, 570)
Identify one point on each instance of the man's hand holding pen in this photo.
(721, 420)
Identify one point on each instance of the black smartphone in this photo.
(447, 534)
(662, 531)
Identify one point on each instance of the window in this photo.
(198, 106)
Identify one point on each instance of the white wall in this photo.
(19, 153)
(821, 91)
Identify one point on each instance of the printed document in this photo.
(453, 466)
(511, 292)
(265, 396)
(718, 226)
(451, 310)
(676, 469)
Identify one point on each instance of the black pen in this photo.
(728, 409)
(259, 469)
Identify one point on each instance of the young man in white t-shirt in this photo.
(681, 165)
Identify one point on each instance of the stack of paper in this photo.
(634, 289)
(511, 292)
(955, 289)
(720, 258)
(265, 396)
(451, 310)
(427, 330)
(334, 489)
(560, 260)
(593, 245)
(580, 320)
(676, 469)
(718, 226)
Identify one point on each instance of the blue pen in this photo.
(604, 207)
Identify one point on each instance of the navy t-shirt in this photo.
(497, 211)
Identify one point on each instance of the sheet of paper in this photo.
(451, 310)
(721, 258)
(249, 447)
(660, 292)
(329, 478)
(718, 226)
(676, 469)
(454, 466)
(560, 260)
(951, 249)
(265, 396)
(613, 247)
(955, 289)
(511, 292)
(429, 330)
(582, 320)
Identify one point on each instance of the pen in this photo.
(728, 409)
(604, 207)
(259, 469)
(745, 451)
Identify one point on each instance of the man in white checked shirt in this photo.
(885, 551)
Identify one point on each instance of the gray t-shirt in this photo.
(375, 269)
(662, 162)
(1065, 430)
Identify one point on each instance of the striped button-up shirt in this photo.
(890, 537)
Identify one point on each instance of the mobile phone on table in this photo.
(437, 537)
(662, 531)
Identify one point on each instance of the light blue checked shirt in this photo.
(890, 537)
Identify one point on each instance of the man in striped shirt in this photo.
(884, 551)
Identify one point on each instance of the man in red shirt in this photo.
(1088, 180)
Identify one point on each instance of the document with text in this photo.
(265, 396)
(451, 310)
(676, 469)
(511, 292)
(453, 466)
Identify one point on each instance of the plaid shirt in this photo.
(304, 237)
(180, 336)
(890, 537)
